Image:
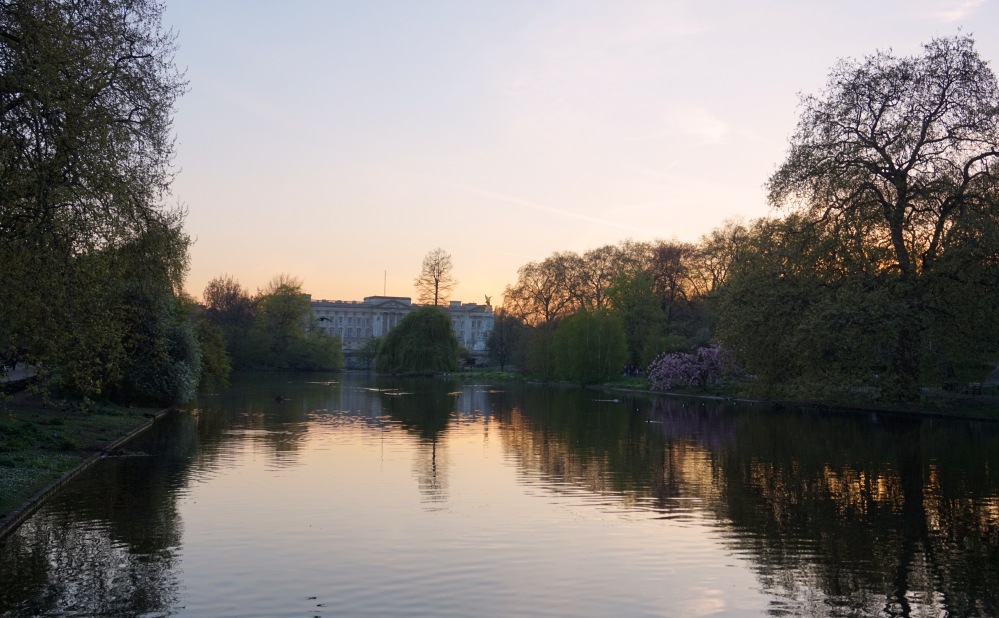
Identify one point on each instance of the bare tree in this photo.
(435, 283)
(542, 292)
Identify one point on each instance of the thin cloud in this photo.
(692, 122)
(254, 106)
(950, 11)
(509, 199)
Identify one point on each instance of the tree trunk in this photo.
(902, 381)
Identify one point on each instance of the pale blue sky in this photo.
(336, 141)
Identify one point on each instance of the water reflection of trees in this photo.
(842, 514)
(105, 546)
(425, 408)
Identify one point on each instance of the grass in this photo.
(39, 441)
(487, 375)
(629, 382)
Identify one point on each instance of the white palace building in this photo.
(356, 322)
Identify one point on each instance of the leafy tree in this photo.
(713, 256)
(283, 335)
(435, 283)
(215, 362)
(227, 304)
(633, 299)
(230, 308)
(283, 312)
(670, 268)
(902, 150)
(86, 97)
(368, 351)
(590, 347)
(164, 359)
(316, 350)
(423, 342)
(506, 339)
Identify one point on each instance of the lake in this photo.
(354, 495)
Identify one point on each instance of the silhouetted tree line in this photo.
(587, 318)
(271, 330)
(881, 276)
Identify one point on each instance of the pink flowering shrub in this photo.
(700, 369)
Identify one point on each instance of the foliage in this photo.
(422, 342)
(435, 283)
(700, 369)
(86, 95)
(539, 352)
(165, 360)
(506, 340)
(590, 347)
(802, 310)
(633, 299)
(272, 331)
(215, 363)
(282, 313)
(663, 290)
(898, 154)
(368, 351)
(227, 304)
(231, 309)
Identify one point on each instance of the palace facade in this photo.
(357, 321)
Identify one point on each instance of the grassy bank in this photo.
(983, 404)
(40, 442)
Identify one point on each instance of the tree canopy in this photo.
(892, 172)
(422, 343)
(87, 91)
(590, 347)
(272, 330)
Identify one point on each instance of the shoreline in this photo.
(14, 518)
(965, 412)
(779, 404)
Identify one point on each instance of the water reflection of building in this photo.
(357, 321)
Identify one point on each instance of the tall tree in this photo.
(87, 90)
(436, 281)
(542, 293)
(632, 298)
(87, 96)
(670, 266)
(227, 304)
(229, 308)
(905, 148)
(505, 339)
(591, 274)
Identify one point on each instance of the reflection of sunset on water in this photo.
(434, 497)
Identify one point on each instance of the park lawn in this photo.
(40, 442)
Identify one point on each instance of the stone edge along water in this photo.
(32, 504)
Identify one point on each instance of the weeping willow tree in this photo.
(423, 342)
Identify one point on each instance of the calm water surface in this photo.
(365, 496)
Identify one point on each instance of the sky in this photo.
(341, 141)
